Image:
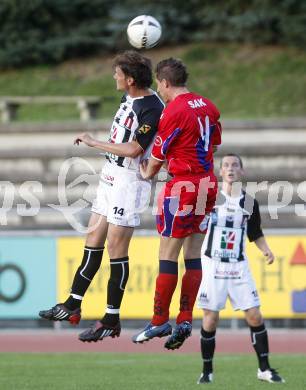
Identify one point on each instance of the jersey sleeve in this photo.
(168, 131)
(254, 230)
(148, 124)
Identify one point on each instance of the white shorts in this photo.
(121, 195)
(221, 280)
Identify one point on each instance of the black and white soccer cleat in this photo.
(270, 375)
(205, 378)
(98, 331)
(60, 312)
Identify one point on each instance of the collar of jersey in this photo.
(235, 198)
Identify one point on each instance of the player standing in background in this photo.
(235, 216)
(120, 195)
(188, 130)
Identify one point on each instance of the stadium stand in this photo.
(272, 151)
(88, 106)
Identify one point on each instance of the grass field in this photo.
(244, 81)
(137, 371)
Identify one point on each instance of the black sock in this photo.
(90, 264)
(119, 274)
(208, 343)
(260, 343)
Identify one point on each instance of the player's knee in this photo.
(117, 251)
(114, 247)
(254, 317)
(93, 239)
(210, 320)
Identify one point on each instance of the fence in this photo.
(36, 272)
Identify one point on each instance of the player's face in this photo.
(161, 87)
(231, 170)
(122, 82)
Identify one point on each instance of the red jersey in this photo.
(188, 128)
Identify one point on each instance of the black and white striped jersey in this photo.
(136, 119)
(231, 220)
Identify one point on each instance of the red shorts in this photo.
(184, 204)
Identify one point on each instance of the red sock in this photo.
(165, 285)
(190, 285)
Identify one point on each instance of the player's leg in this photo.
(127, 193)
(91, 261)
(259, 336)
(208, 344)
(192, 277)
(167, 278)
(190, 285)
(165, 285)
(212, 296)
(199, 197)
(244, 296)
(118, 240)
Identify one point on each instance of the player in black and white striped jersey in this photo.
(121, 195)
(226, 271)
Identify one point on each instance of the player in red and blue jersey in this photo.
(189, 132)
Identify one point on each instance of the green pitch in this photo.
(82, 371)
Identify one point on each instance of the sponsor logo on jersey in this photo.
(228, 239)
(144, 129)
(107, 178)
(230, 254)
(158, 141)
(230, 274)
(196, 103)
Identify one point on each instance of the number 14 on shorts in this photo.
(119, 211)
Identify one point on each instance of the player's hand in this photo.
(269, 256)
(143, 168)
(86, 138)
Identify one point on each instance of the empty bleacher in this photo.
(32, 155)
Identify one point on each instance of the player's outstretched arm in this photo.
(262, 245)
(128, 149)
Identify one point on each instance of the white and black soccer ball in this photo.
(144, 32)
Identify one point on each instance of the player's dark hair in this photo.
(233, 155)
(137, 66)
(172, 70)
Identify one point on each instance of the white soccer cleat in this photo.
(205, 378)
(270, 376)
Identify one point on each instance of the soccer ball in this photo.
(144, 32)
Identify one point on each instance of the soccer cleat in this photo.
(151, 331)
(179, 335)
(98, 331)
(60, 312)
(205, 378)
(270, 375)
